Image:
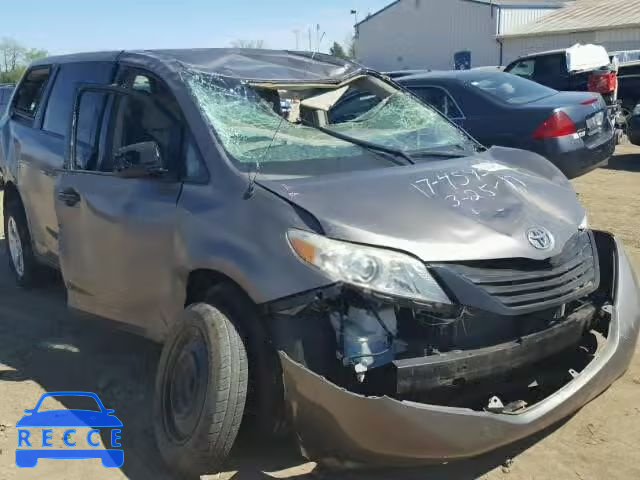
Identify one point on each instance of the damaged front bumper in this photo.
(338, 427)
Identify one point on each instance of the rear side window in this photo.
(551, 66)
(439, 99)
(57, 117)
(510, 88)
(30, 92)
(523, 68)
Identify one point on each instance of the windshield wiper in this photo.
(364, 144)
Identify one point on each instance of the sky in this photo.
(67, 26)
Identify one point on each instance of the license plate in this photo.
(595, 122)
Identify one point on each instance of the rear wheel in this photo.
(18, 245)
(201, 390)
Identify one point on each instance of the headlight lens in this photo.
(375, 269)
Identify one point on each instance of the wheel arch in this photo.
(266, 397)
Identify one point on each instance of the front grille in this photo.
(523, 285)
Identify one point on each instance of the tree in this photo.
(11, 54)
(248, 43)
(34, 54)
(14, 59)
(337, 51)
(351, 47)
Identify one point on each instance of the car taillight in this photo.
(603, 82)
(557, 125)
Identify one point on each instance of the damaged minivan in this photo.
(362, 273)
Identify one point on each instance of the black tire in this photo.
(266, 413)
(201, 388)
(29, 274)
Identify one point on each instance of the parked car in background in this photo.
(5, 95)
(414, 297)
(629, 85)
(633, 126)
(571, 129)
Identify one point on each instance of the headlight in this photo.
(584, 224)
(636, 111)
(375, 269)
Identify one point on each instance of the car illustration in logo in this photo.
(68, 418)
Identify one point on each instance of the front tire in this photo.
(18, 245)
(201, 389)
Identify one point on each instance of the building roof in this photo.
(496, 3)
(584, 15)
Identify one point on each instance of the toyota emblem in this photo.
(540, 238)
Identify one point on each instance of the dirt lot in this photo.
(43, 347)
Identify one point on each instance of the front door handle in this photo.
(69, 196)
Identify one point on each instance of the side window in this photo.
(89, 127)
(30, 92)
(523, 68)
(57, 117)
(439, 99)
(137, 120)
(550, 68)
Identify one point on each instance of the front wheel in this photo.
(201, 389)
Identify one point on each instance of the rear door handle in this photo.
(69, 196)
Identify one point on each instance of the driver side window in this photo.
(135, 121)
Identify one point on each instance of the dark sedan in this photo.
(571, 129)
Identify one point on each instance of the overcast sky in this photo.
(65, 26)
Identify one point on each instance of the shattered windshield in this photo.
(401, 122)
(281, 130)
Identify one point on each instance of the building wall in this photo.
(615, 39)
(415, 34)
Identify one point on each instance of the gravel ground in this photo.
(44, 347)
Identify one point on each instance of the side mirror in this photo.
(139, 160)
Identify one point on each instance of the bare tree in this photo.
(248, 43)
(11, 54)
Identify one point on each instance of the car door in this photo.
(29, 159)
(41, 143)
(117, 230)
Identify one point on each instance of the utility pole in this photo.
(310, 44)
(317, 37)
(355, 30)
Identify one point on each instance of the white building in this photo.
(416, 34)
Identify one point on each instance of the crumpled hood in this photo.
(472, 208)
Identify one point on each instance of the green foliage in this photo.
(12, 76)
(14, 59)
(337, 51)
(34, 54)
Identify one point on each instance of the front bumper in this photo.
(336, 426)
